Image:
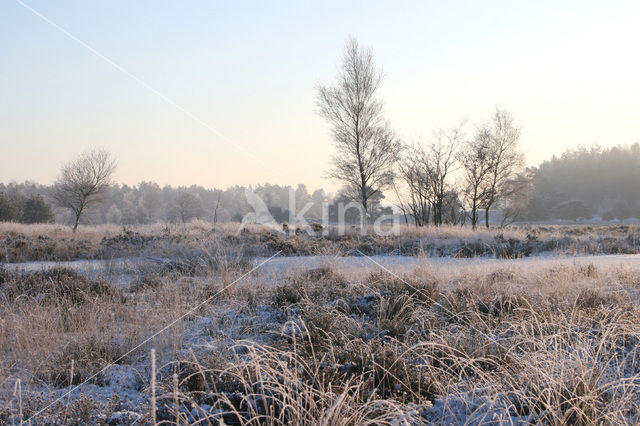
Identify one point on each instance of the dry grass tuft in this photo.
(534, 344)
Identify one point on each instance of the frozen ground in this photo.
(265, 310)
(117, 271)
(399, 264)
(122, 271)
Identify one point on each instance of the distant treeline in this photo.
(582, 184)
(587, 183)
(25, 203)
(149, 203)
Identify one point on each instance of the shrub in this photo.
(422, 288)
(56, 285)
(36, 210)
(147, 281)
(288, 294)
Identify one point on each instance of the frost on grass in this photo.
(22, 243)
(551, 344)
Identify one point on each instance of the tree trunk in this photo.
(75, 226)
(474, 215)
(486, 217)
(365, 213)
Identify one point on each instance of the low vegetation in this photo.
(21, 243)
(536, 343)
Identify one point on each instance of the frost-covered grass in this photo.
(20, 243)
(534, 343)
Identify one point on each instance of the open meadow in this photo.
(335, 213)
(527, 325)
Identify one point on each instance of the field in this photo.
(204, 331)
(20, 243)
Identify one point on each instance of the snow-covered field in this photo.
(121, 271)
(333, 339)
(403, 264)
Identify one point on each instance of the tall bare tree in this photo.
(440, 161)
(84, 182)
(475, 159)
(505, 158)
(426, 171)
(417, 199)
(366, 146)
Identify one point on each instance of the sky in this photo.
(220, 93)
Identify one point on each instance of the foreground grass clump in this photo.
(476, 353)
(534, 344)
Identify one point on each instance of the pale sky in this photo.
(193, 86)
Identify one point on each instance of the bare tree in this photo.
(401, 202)
(418, 198)
(367, 148)
(517, 197)
(425, 170)
(439, 161)
(83, 182)
(186, 207)
(505, 157)
(452, 209)
(475, 159)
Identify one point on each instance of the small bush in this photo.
(56, 285)
(288, 294)
(395, 314)
(89, 353)
(421, 288)
(146, 282)
(590, 299)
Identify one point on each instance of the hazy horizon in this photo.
(246, 75)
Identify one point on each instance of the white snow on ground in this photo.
(123, 270)
(123, 382)
(117, 271)
(127, 382)
(354, 266)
